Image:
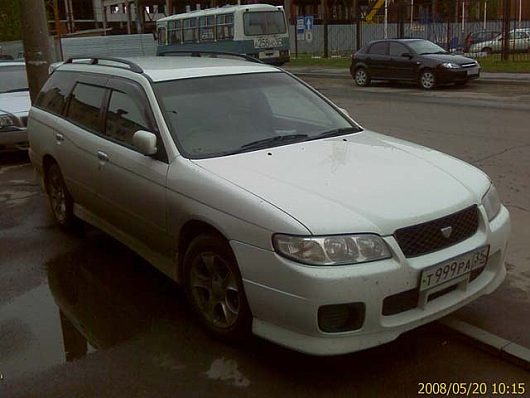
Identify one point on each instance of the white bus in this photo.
(257, 30)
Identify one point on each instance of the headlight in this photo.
(450, 65)
(331, 250)
(491, 203)
(6, 121)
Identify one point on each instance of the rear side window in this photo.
(397, 50)
(85, 106)
(125, 117)
(53, 95)
(378, 48)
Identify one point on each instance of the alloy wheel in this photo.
(427, 80)
(57, 196)
(214, 290)
(361, 77)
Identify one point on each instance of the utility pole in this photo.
(506, 31)
(36, 44)
(325, 26)
(139, 6)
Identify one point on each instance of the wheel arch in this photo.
(47, 161)
(189, 231)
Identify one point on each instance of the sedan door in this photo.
(402, 64)
(132, 186)
(378, 61)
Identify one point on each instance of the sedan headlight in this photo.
(491, 203)
(450, 65)
(6, 121)
(331, 250)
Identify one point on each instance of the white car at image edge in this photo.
(274, 209)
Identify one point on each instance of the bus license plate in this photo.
(453, 268)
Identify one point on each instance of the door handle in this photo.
(59, 138)
(103, 156)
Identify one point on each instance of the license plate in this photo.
(267, 42)
(472, 71)
(453, 268)
(269, 54)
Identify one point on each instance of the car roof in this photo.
(163, 68)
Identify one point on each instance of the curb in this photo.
(480, 80)
(505, 349)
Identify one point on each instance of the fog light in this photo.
(341, 317)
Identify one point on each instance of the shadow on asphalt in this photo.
(13, 158)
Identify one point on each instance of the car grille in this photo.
(428, 237)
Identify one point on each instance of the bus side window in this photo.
(189, 28)
(225, 27)
(175, 32)
(162, 36)
(206, 26)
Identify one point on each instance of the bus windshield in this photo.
(264, 23)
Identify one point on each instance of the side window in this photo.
(378, 48)
(190, 30)
(125, 116)
(85, 105)
(225, 27)
(396, 49)
(162, 35)
(53, 96)
(175, 32)
(206, 25)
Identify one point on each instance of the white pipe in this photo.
(386, 19)
(485, 12)
(520, 11)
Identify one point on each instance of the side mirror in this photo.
(145, 142)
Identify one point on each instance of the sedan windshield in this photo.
(13, 78)
(425, 47)
(222, 115)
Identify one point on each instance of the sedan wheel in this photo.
(361, 77)
(215, 289)
(427, 80)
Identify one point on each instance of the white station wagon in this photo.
(276, 211)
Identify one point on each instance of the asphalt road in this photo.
(81, 315)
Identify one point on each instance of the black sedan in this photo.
(414, 60)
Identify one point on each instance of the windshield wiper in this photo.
(15, 90)
(336, 132)
(279, 139)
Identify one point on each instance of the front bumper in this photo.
(445, 75)
(285, 296)
(13, 138)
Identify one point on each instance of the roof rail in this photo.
(95, 61)
(212, 54)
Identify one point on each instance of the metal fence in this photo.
(455, 37)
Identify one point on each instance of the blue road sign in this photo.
(308, 22)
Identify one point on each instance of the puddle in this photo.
(95, 297)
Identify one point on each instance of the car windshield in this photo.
(425, 47)
(264, 23)
(223, 115)
(13, 78)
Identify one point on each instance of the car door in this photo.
(402, 64)
(77, 138)
(377, 60)
(132, 186)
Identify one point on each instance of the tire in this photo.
(361, 77)
(61, 202)
(427, 79)
(215, 290)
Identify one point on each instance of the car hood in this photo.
(15, 103)
(455, 58)
(364, 182)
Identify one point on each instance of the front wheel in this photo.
(427, 79)
(361, 77)
(215, 289)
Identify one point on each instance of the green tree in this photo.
(10, 20)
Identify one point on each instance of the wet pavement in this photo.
(81, 315)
